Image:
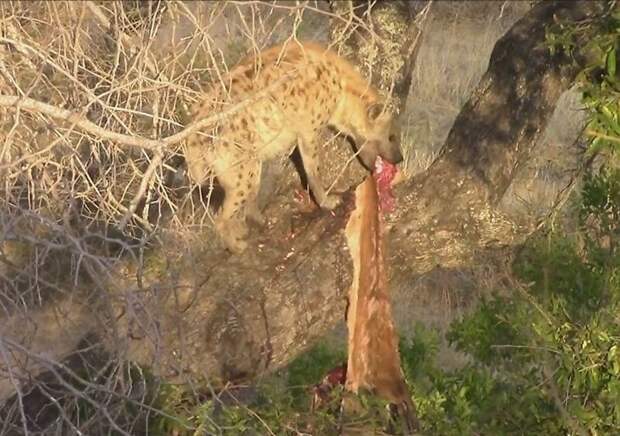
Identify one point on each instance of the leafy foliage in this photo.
(545, 360)
(595, 45)
(279, 404)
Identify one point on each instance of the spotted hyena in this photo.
(286, 95)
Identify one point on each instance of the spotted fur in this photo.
(306, 88)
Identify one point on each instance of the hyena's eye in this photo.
(392, 138)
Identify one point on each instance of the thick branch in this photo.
(496, 129)
(451, 212)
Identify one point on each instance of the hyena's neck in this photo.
(340, 118)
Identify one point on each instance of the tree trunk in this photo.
(234, 317)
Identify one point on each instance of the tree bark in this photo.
(233, 317)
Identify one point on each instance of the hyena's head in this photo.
(377, 134)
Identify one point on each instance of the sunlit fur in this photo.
(308, 88)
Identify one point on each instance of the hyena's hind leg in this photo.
(240, 182)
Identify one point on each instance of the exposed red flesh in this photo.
(384, 174)
(336, 376)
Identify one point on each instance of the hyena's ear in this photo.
(374, 110)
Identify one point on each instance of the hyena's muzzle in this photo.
(388, 150)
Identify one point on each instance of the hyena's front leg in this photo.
(309, 155)
(197, 160)
(239, 180)
(252, 210)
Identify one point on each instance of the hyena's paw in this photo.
(234, 234)
(330, 201)
(254, 214)
(236, 245)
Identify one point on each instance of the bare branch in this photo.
(32, 105)
(80, 121)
